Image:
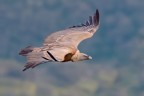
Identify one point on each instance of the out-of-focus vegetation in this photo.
(81, 79)
(14, 87)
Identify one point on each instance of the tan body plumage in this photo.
(61, 46)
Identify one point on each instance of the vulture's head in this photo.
(80, 57)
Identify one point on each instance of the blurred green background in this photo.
(117, 68)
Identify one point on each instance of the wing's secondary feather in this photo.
(74, 35)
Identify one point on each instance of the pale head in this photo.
(80, 57)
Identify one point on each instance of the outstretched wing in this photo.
(75, 34)
(61, 45)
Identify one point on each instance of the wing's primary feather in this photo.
(74, 35)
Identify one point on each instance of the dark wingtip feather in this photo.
(24, 69)
(29, 65)
(26, 50)
(87, 23)
(90, 19)
(97, 17)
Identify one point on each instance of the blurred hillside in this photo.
(68, 79)
(117, 48)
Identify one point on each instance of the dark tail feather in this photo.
(25, 51)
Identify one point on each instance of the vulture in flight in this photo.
(62, 46)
